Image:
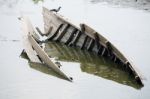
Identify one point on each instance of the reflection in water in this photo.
(41, 67)
(90, 63)
(45, 69)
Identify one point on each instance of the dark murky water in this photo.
(94, 77)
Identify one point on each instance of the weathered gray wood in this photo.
(30, 44)
(88, 31)
(67, 34)
(71, 36)
(39, 31)
(95, 48)
(80, 41)
(87, 42)
(61, 33)
(44, 34)
(91, 44)
(103, 51)
(75, 39)
(49, 31)
(52, 35)
(27, 27)
(45, 58)
(84, 42)
(50, 21)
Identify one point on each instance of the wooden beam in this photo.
(71, 36)
(103, 51)
(85, 39)
(91, 44)
(61, 33)
(49, 31)
(39, 31)
(76, 37)
(51, 36)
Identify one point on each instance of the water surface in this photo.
(127, 28)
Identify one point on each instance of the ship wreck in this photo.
(59, 29)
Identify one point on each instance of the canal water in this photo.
(93, 77)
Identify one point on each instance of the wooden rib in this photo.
(109, 48)
(39, 31)
(103, 51)
(100, 49)
(50, 37)
(115, 58)
(97, 42)
(71, 36)
(91, 44)
(85, 39)
(49, 31)
(61, 34)
(77, 36)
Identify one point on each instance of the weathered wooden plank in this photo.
(27, 27)
(52, 35)
(75, 39)
(30, 44)
(68, 33)
(91, 44)
(44, 34)
(61, 32)
(49, 14)
(80, 41)
(84, 42)
(90, 32)
(39, 31)
(103, 51)
(50, 21)
(71, 36)
(45, 58)
(49, 31)
(87, 42)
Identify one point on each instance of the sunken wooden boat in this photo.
(59, 29)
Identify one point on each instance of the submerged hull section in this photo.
(61, 30)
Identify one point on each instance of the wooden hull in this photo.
(61, 30)
(26, 43)
(34, 51)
